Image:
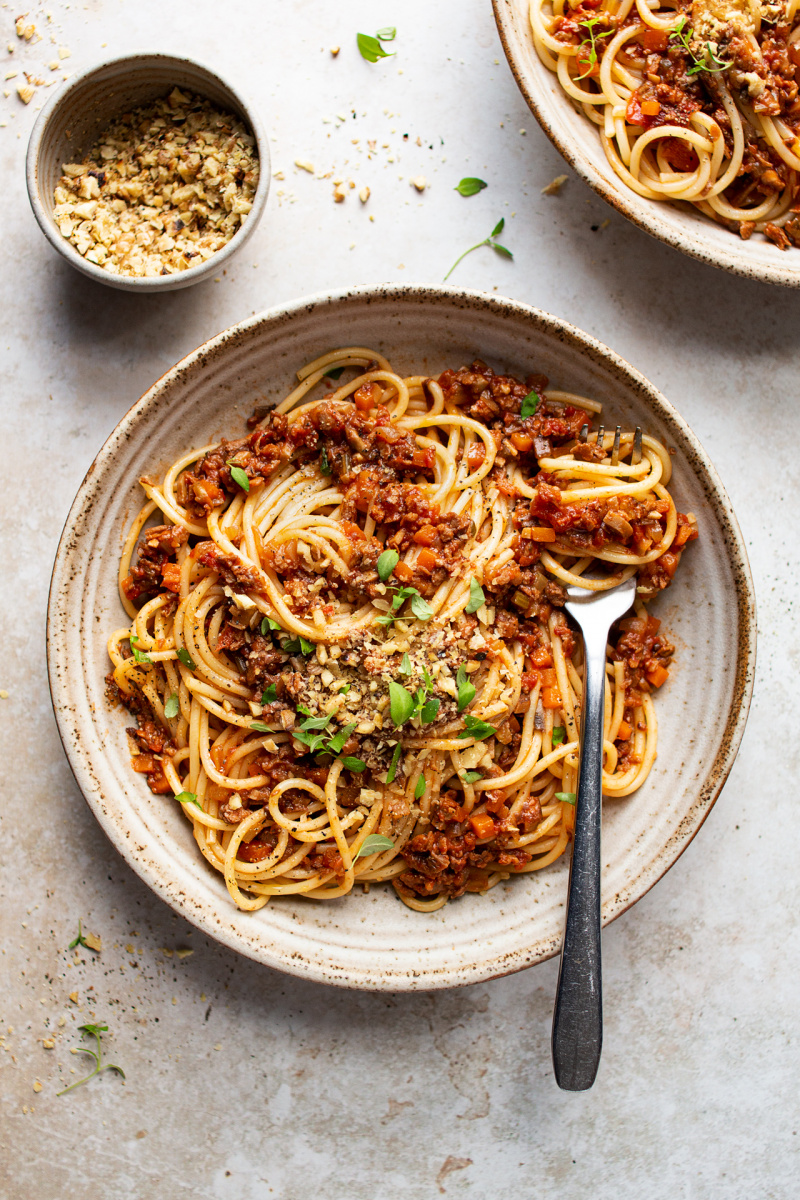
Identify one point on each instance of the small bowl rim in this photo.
(645, 214)
(144, 283)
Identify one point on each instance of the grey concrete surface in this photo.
(242, 1082)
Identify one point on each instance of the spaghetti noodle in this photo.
(696, 102)
(346, 651)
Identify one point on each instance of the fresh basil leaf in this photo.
(426, 675)
(186, 658)
(420, 608)
(476, 728)
(317, 722)
(370, 48)
(324, 465)
(269, 695)
(566, 797)
(261, 727)
(501, 250)
(312, 740)
(268, 624)
(354, 764)
(419, 790)
(386, 564)
(334, 373)
(298, 645)
(387, 34)
(374, 844)
(188, 798)
(430, 711)
(476, 597)
(239, 476)
(385, 620)
(470, 186)
(139, 656)
(401, 703)
(498, 227)
(335, 744)
(393, 765)
(530, 404)
(172, 707)
(558, 735)
(466, 689)
(472, 776)
(405, 665)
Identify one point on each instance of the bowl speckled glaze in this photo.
(576, 137)
(373, 941)
(74, 117)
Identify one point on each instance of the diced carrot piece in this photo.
(657, 676)
(548, 677)
(403, 572)
(171, 574)
(143, 764)
(424, 457)
(551, 697)
(669, 562)
(426, 536)
(655, 40)
(653, 625)
(651, 108)
(522, 441)
(541, 657)
(475, 456)
(482, 825)
(364, 398)
(624, 732)
(428, 560)
(543, 533)
(157, 780)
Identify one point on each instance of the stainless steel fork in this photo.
(578, 1014)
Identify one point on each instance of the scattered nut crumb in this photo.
(335, 50)
(554, 186)
(3, 694)
(338, 193)
(25, 93)
(73, 997)
(363, 195)
(93, 941)
(304, 165)
(605, 224)
(12, 74)
(48, 1043)
(64, 52)
(218, 1046)
(37, 1087)
(420, 182)
(184, 953)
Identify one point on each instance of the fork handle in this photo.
(577, 1036)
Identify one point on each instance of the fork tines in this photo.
(615, 448)
(636, 456)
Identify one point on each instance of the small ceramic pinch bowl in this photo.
(73, 119)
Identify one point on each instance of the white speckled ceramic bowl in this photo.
(74, 117)
(374, 941)
(574, 135)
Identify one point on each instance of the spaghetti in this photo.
(346, 651)
(694, 102)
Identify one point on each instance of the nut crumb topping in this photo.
(165, 187)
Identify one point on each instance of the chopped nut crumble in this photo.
(164, 188)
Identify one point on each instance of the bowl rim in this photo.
(645, 214)
(59, 618)
(144, 283)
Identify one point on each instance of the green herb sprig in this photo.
(375, 843)
(370, 48)
(477, 599)
(393, 764)
(475, 728)
(97, 1055)
(558, 735)
(172, 707)
(139, 655)
(566, 797)
(188, 798)
(419, 606)
(593, 38)
(466, 689)
(186, 658)
(470, 186)
(530, 404)
(489, 241)
(682, 34)
(239, 476)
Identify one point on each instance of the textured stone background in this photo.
(245, 1083)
